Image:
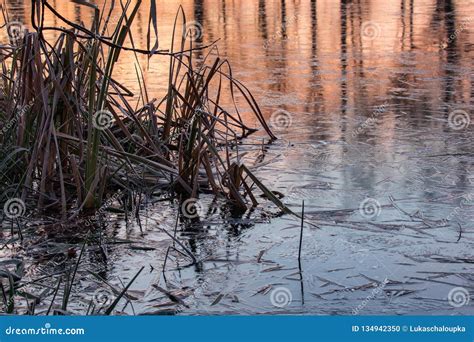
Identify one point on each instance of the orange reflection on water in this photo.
(314, 56)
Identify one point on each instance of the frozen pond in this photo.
(372, 102)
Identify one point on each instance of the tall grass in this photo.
(71, 137)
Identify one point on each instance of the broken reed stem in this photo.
(301, 236)
(299, 253)
(164, 263)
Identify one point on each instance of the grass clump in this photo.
(71, 138)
